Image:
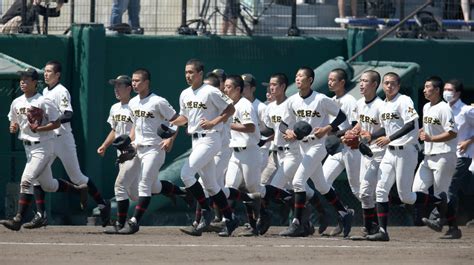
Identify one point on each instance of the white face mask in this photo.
(448, 96)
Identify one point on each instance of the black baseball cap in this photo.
(121, 79)
(220, 73)
(249, 79)
(30, 72)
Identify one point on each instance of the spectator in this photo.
(133, 8)
(466, 9)
(231, 13)
(341, 5)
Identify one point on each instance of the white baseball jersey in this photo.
(274, 116)
(148, 114)
(464, 120)
(61, 97)
(206, 102)
(313, 109)
(17, 114)
(120, 119)
(395, 114)
(438, 119)
(347, 103)
(260, 108)
(368, 116)
(244, 114)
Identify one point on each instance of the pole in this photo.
(386, 33)
(293, 30)
(92, 12)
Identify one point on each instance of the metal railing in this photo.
(256, 17)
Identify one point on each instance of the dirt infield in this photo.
(166, 245)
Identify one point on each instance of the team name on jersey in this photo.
(431, 120)
(21, 111)
(122, 118)
(367, 119)
(307, 113)
(275, 118)
(143, 114)
(195, 105)
(390, 116)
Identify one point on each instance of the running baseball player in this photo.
(65, 148)
(367, 112)
(149, 112)
(204, 109)
(348, 158)
(464, 122)
(260, 108)
(439, 136)
(120, 120)
(35, 117)
(313, 108)
(399, 134)
(243, 168)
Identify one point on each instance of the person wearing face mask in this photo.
(464, 120)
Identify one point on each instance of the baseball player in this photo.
(120, 120)
(464, 122)
(367, 113)
(313, 108)
(439, 135)
(260, 108)
(204, 108)
(149, 112)
(348, 158)
(243, 168)
(36, 133)
(399, 133)
(65, 147)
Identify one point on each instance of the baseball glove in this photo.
(166, 132)
(352, 140)
(35, 117)
(364, 148)
(127, 151)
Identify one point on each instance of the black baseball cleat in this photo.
(230, 226)
(379, 236)
(105, 213)
(365, 232)
(294, 230)
(37, 222)
(83, 195)
(323, 223)
(129, 228)
(435, 225)
(248, 232)
(114, 229)
(264, 222)
(308, 228)
(452, 233)
(13, 224)
(206, 218)
(347, 222)
(337, 230)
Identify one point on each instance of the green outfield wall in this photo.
(90, 59)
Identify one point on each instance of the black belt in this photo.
(30, 143)
(58, 135)
(308, 139)
(239, 149)
(198, 135)
(282, 148)
(391, 147)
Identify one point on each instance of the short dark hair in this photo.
(308, 71)
(341, 74)
(436, 81)
(198, 65)
(237, 81)
(144, 73)
(213, 79)
(282, 79)
(457, 84)
(397, 77)
(374, 76)
(57, 68)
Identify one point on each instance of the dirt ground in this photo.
(166, 245)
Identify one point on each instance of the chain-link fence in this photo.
(252, 17)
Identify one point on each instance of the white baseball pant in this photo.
(350, 160)
(65, 149)
(369, 172)
(437, 171)
(126, 184)
(39, 158)
(244, 168)
(398, 166)
(151, 158)
(201, 160)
